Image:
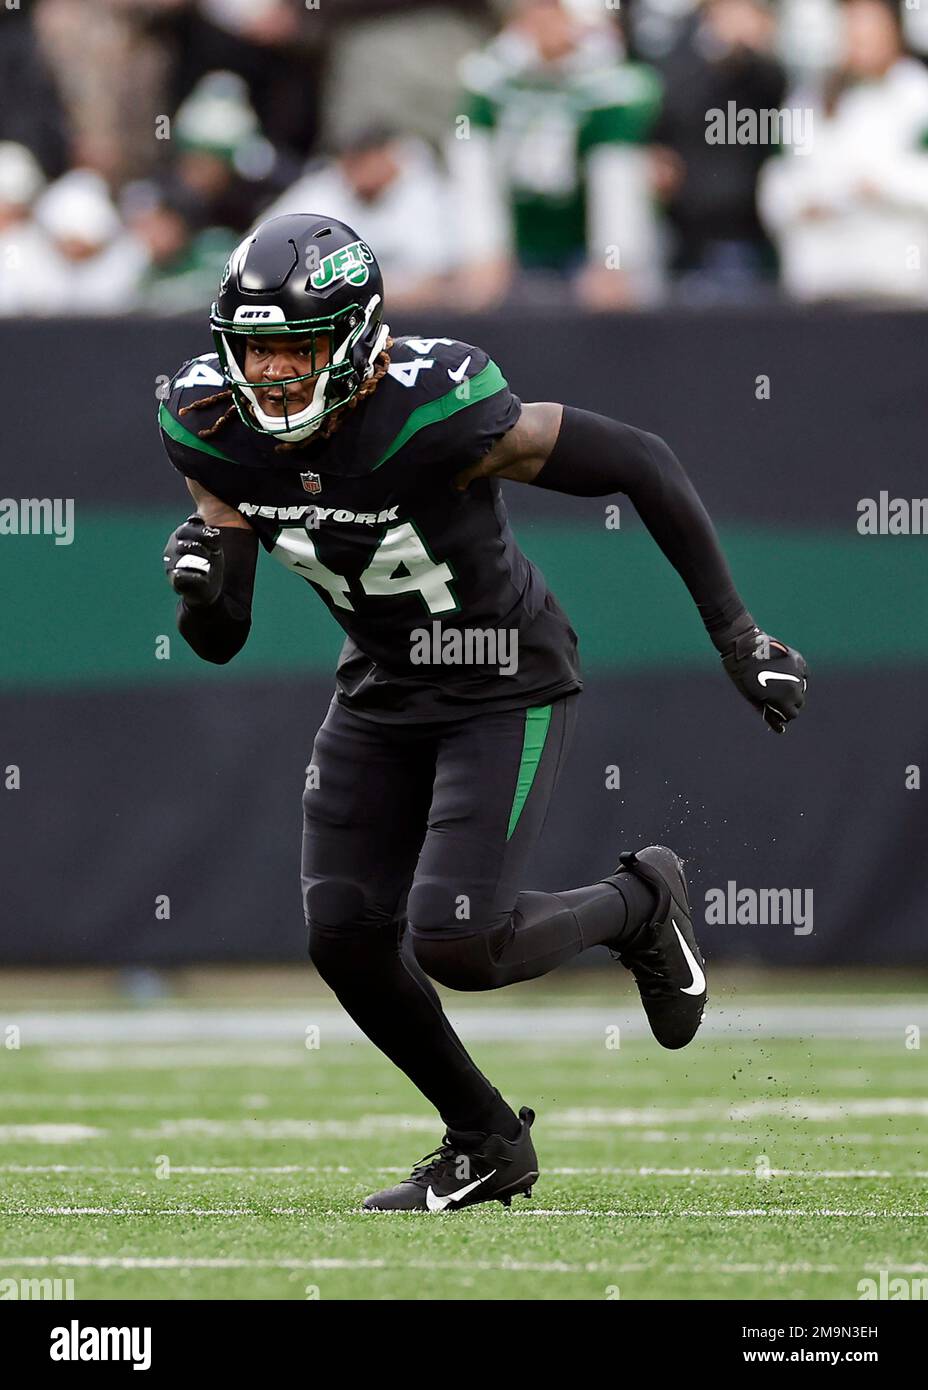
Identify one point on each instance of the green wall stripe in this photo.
(485, 383)
(182, 435)
(537, 722)
(88, 614)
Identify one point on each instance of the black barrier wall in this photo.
(150, 806)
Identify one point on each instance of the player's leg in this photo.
(473, 928)
(366, 806)
(472, 925)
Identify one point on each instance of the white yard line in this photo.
(736, 1139)
(823, 1109)
(163, 1057)
(196, 1169)
(48, 1133)
(636, 1122)
(172, 1262)
(365, 1127)
(591, 1117)
(172, 1025)
(674, 1212)
(605, 1171)
(810, 1173)
(324, 1263)
(626, 1214)
(25, 1210)
(577, 1120)
(74, 1100)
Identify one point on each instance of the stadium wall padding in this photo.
(143, 779)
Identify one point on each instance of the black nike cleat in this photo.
(465, 1169)
(663, 956)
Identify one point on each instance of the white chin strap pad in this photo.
(293, 427)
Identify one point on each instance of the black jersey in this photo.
(444, 614)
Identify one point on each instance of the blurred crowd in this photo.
(491, 151)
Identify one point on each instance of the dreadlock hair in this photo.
(211, 400)
(326, 429)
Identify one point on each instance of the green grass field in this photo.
(783, 1155)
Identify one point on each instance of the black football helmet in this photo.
(312, 277)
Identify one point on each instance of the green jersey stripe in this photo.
(178, 432)
(471, 390)
(533, 741)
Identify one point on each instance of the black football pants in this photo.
(432, 826)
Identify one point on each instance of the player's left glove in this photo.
(193, 562)
(771, 675)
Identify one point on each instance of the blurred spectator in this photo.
(31, 112)
(111, 65)
(184, 264)
(92, 265)
(850, 216)
(809, 37)
(652, 27)
(915, 28)
(723, 55)
(222, 158)
(390, 61)
(23, 247)
(550, 170)
(392, 192)
(274, 46)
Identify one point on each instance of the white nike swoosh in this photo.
(765, 677)
(699, 979)
(436, 1203)
(192, 562)
(458, 373)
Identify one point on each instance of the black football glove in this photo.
(771, 675)
(193, 562)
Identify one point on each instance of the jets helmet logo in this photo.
(351, 263)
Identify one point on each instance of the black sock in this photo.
(599, 916)
(497, 1118)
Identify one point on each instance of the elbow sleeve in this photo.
(218, 632)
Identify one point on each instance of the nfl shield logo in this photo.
(311, 482)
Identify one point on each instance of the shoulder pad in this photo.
(430, 383)
(195, 380)
(426, 369)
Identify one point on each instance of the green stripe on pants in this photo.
(533, 742)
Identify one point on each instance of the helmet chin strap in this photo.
(379, 345)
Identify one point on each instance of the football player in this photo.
(370, 467)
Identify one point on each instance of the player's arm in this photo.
(210, 562)
(586, 455)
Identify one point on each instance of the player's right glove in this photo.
(193, 562)
(769, 674)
